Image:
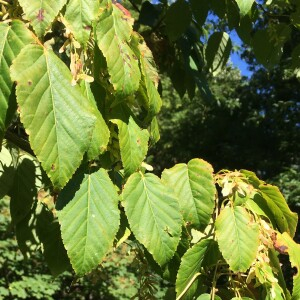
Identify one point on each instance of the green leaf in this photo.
(113, 33)
(244, 6)
(293, 249)
(12, 39)
(90, 219)
(149, 82)
(217, 51)
(27, 182)
(101, 132)
(200, 10)
(191, 263)
(41, 13)
(154, 131)
(194, 186)
(79, 16)
(285, 219)
(268, 44)
(53, 112)
(237, 235)
(48, 231)
(7, 171)
(153, 214)
(208, 297)
(133, 144)
(178, 19)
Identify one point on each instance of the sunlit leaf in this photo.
(79, 16)
(191, 263)
(113, 34)
(237, 235)
(194, 186)
(153, 214)
(285, 219)
(58, 123)
(133, 144)
(90, 219)
(244, 6)
(12, 39)
(41, 13)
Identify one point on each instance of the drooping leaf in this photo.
(24, 191)
(12, 39)
(113, 33)
(237, 235)
(178, 18)
(244, 6)
(79, 15)
(53, 112)
(293, 249)
(217, 51)
(133, 144)
(149, 82)
(101, 132)
(191, 263)
(194, 186)
(153, 214)
(268, 44)
(200, 10)
(41, 13)
(90, 219)
(7, 171)
(48, 231)
(285, 219)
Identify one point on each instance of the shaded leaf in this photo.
(194, 186)
(90, 219)
(133, 144)
(153, 214)
(53, 112)
(217, 51)
(41, 13)
(237, 235)
(7, 171)
(79, 16)
(200, 10)
(101, 132)
(48, 231)
(178, 18)
(24, 191)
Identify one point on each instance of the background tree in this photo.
(80, 95)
